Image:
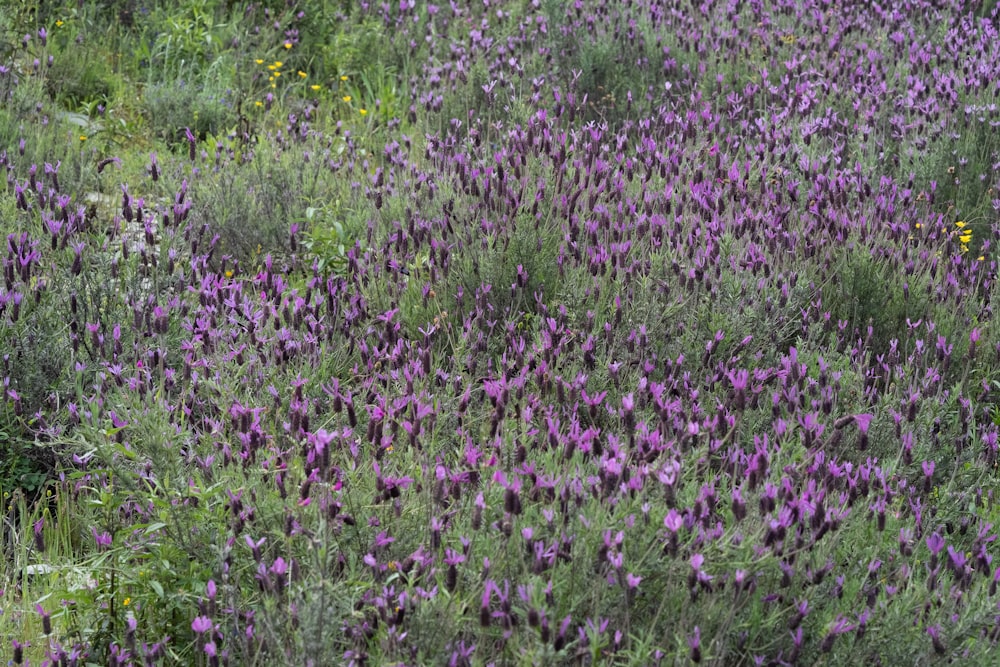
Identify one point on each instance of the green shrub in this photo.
(203, 108)
(865, 291)
(83, 77)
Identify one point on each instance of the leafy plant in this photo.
(325, 241)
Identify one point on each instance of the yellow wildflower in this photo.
(315, 86)
(960, 224)
(302, 74)
(126, 602)
(343, 78)
(965, 238)
(259, 61)
(83, 137)
(364, 112)
(278, 63)
(258, 103)
(59, 24)
(346, 98)
(288, 45)
(229, 273)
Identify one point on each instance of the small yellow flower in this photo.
(343, 78)
(364, 112)
(918, 225)
(229, 273)
(259, 61)
(277, 74)
(315, 86)
(272, 67)
(965, 238)
(258, 103)
(59, 24)
(346, 98)
(302, 74)
(126, 602)
(980, 258)
(960, 224)
(83, 137)
(288, 45)
(278, 63)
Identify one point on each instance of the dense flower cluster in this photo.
(666, 335)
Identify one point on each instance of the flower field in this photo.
(506, 332)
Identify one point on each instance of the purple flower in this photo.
(46, 619)
(934, 631)
(191, 143)
(863, 421)
(39, 536)
(840, 626)
(935, 542)
(103, 539)
(201, 624)
(694, 642)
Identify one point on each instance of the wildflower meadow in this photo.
(499, 332)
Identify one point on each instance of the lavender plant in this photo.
(540, 334)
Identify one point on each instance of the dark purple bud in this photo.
(694, 643)
(935, 634)
(191, 143)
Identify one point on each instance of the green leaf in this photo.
(152, 528)
(78, 119)
(157, 587)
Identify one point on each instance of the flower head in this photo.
(201, 624)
